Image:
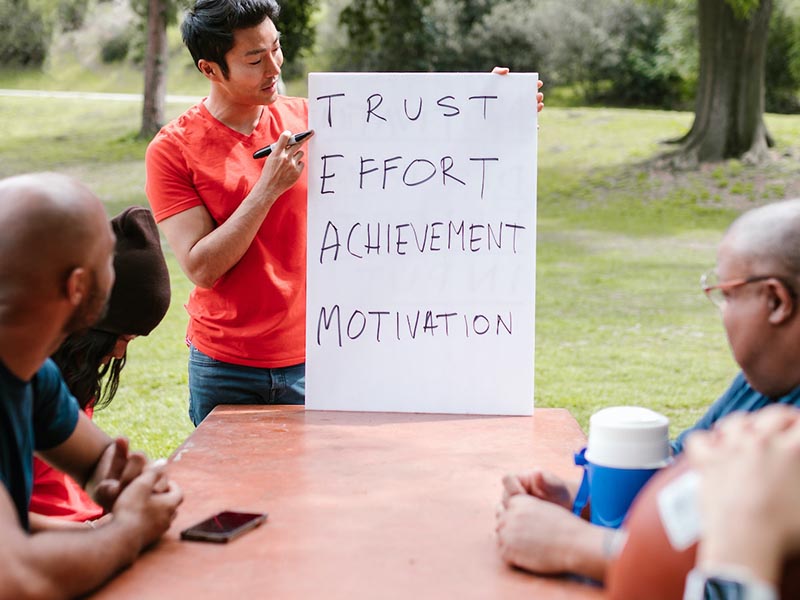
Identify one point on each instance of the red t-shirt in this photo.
(254, 315)
(58, 495)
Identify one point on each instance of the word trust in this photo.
(446, 106)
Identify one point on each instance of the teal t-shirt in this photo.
(34, 415)
(739, 397)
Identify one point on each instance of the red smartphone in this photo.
(223, 527)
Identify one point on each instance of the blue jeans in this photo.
(213, 382)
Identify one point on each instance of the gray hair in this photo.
(770, 236)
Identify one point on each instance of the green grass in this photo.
(621, 245)
(621, 320)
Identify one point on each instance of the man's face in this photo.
(254, 64)
(745, 312)
(101, 279)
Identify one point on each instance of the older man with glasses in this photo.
(754, 285)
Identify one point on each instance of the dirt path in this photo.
(92, 96)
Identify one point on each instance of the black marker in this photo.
(295, 139)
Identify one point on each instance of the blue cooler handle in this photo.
(582, 497)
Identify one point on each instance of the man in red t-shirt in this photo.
(237, 224)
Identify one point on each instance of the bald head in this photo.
(56, 266)
(51, 224)
(769, 238)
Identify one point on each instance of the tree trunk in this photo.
(729, 109)
(155, 69)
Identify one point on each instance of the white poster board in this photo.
(421, 243)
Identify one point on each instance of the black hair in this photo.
(208, 27)
(80, 359)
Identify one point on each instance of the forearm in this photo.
(65, 564)
(544, 537)
(80, 454)
(590, 554)
(39, 523)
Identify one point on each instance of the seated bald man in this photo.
(755, 285)
(56, 272)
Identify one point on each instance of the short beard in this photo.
(88, 312)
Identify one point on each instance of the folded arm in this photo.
(543, 537)
(65, 564)
(79, 456)
(101, 465)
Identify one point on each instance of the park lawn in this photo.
(620, 317)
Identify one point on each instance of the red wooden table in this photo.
(361, 505)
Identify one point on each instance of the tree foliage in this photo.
(297, 29)
(136, 35)
(782, 71)
(71, 13)
(24, 35)
(387, 35)
(609, 50)
(628, 52)
(172, 8)
(743, 9)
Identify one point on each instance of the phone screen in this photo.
(223, 526)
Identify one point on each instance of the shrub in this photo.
(625, 52)
(386, 35)
(782, 69)
(24, 35)
(71, 14)
(115, 49)
(620, 51)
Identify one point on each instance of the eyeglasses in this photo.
(716, 290)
